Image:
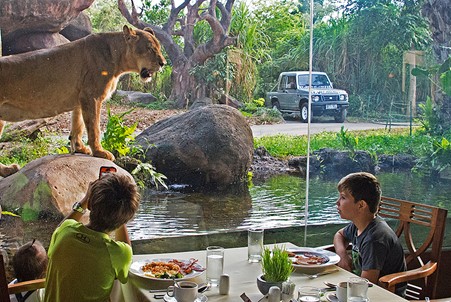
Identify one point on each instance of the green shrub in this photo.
(117, 136)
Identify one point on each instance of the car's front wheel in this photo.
(276, 105)
(304, 112)
(341, 117)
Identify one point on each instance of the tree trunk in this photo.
(185, 88)
(182, 85)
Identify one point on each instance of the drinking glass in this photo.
(254, 245)
(357, 289)
(309, 294)
(215, 264)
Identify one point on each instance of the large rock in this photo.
(78, 28)
(209, 148)
(20, 20)
(50, 185)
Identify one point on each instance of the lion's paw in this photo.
(8, 170)
(104, 154)
(82, 150)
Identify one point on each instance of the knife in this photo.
(322, 273)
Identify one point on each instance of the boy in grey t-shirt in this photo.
(376, 250)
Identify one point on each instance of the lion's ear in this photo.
(150, 30)
(129, 33)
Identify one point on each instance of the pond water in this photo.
(277, 202)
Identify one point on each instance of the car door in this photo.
(288, 92)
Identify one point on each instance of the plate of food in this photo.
(167, 269)
(312, 257)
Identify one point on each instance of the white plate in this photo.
(135, 269)
(333, 258)
(200, 298)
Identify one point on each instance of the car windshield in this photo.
(318, 80)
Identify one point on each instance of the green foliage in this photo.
(268, 115)
(430, 118)
(436, 157)
(397, 141)
(118, 139)
(117, 136)
(444, 74)
(156, 12)
(145, 175)
(441, 156)
(257, 110)
(105, 16)
(25, 150)
(348, 141)
(276, 265)
(252, 106)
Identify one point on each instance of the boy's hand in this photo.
(85, 201)
(345, 263)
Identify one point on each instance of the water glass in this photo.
(309, 294)
(357, 289)
(254, 245)
(215, 264)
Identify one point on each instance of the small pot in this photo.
(264, 286)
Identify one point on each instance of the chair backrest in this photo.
(6, 290)
(422, 227)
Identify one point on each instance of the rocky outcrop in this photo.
(136, 97)
(330, 163)
(50, 185)
(78, 28)
(209, 148)
(34, 24)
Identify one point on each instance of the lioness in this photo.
(77, 77)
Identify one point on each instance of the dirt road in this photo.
(298, 128)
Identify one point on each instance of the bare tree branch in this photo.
(186, 15)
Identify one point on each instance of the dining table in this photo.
(242, 277)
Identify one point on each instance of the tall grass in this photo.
(396, 141)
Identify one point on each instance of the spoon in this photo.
(331, 285)
(203, 287)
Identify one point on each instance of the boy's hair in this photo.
(113, 201)
(362, 186)
(30, 261)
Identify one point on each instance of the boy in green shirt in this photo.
(83, 260)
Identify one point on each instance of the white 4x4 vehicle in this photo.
(291, 96)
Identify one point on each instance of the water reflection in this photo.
(162, 215)
(277, 202)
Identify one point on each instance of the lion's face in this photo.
(147, 52)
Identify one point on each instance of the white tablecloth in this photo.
(243, 277)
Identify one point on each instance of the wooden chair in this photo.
(6, 290)
(422, 227)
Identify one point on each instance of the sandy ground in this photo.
(145, 118)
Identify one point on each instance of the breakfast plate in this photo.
(306, 257)
(167, 269)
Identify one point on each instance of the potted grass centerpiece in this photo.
(276, 268)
